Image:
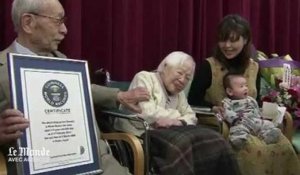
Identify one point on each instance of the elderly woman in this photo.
(178, 146)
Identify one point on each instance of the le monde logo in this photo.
(22, 154)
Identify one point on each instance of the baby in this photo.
(242, 113)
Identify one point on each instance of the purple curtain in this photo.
(126, 36)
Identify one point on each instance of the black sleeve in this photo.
(201, 82)
(258, 78)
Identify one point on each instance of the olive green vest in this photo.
(215, 93)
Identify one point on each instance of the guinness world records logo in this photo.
(55, 93)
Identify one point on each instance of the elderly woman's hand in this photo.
(166, 123)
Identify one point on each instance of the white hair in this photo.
(19, 7)
(175, 59)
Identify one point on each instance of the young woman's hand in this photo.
(218, 110)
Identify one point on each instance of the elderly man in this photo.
(40, 28)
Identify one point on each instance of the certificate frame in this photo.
(45, 90)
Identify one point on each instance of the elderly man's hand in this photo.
(131, 98)
(12, 123)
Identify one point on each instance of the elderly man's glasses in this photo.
(57, 21)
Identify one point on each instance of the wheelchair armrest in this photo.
(207, 117)
(121, 114)
(117, 113)
(135, 145)
(3, 163)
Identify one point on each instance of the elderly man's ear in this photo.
(28, 22)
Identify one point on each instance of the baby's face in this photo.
(239, 88)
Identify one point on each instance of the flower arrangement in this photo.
(287, 95)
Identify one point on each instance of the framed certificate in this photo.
(54, 95)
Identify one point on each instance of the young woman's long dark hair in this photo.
(234, 26)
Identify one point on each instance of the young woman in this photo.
(232, 54)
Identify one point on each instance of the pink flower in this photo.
(293, 92)
(297, 113)
(273, 93)
(267, 99)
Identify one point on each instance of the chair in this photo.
(3, 169)
(105, 120)
(287, 126)
(120, 150)
(134, 142)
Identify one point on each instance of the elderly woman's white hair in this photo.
(175, 59)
